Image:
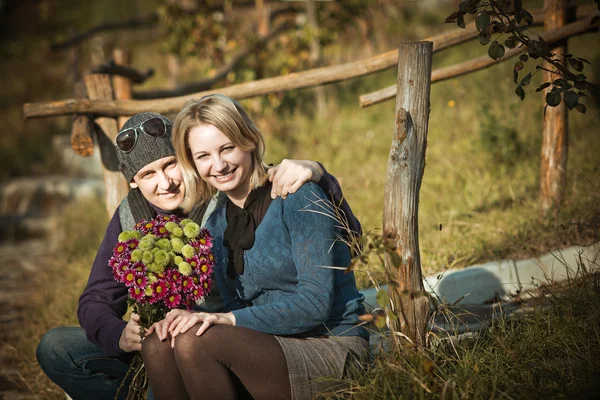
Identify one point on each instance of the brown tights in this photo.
(226, 362)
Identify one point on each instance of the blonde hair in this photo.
(228, 116)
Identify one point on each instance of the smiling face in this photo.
(161, 183)
(221, 163)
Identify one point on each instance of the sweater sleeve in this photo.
(312, 235)
(104, 300)
(332, 188)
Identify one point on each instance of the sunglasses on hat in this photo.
(126, 139)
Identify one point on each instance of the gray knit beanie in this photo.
(147, 149)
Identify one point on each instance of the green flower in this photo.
(188, 251)
(177, 232)
(185, 221)
(146, 243)
(165, 244)
(171, 226)
(191, 230)
(177, 244)
(137, 255)
(156, 268)
(177, 260)
(147, 257)
(172, 256)
(126, 235)
(185, 268)
(161, 258)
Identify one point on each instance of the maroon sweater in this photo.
(104, 301)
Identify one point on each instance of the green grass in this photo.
(551, 350)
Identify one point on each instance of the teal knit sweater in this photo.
(287, 287)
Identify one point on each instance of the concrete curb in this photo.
(500, 280)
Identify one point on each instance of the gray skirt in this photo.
(319, 364)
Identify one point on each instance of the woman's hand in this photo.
(163, 327)
(288, 176)
(183, 322)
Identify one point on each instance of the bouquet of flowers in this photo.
(165, 263)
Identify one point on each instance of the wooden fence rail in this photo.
(453, 71)
(299, 80)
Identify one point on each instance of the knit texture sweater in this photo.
(289, 286)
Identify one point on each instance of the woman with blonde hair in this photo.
(291, 327)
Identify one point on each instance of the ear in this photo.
(133, 185)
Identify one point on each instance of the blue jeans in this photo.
(80, 367)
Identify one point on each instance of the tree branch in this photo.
(135, 76)
(109, 26)
(208, 83)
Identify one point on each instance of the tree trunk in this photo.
(99, 87)
(401, 199)
(553, 171)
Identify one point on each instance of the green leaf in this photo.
(519, 66)
(524, 57)
(395, 259)
(571, 98)
(526, 80)
(482, 21)
(553, 97)
(519, 16)
(484, 38)
(496, 50)
(460, 21)
(518, 5)
(511, 42)
(451, 18)
(520, 92)
(543, 86)
(581, 108)
(382, 298)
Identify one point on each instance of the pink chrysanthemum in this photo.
(121, 250)
(137, 294)
(160, 289)
(129, 278)
(132, 244)
(173, 300)
(141, 280)
(187, 284)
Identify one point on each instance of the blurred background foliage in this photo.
(482, 175)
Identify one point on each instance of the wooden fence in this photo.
(407, 155)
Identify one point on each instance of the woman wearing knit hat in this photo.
(90, 363)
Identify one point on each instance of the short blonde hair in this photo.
(228, 116)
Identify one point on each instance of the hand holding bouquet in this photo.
(165, 263)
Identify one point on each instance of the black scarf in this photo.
(241, 225)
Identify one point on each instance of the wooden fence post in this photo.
(553, 169)
(99, 87)
(122, 85)
(406, 164)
